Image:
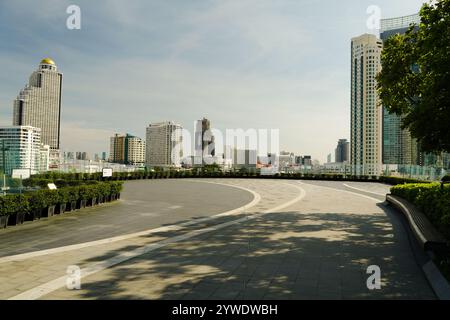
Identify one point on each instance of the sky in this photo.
(262, 64)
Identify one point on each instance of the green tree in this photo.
(415, 79)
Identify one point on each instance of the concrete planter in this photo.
(16, 218)
(49, 211)
(60, 208)
(4, 221)
(92, 202)
(33, 215)
(81, 204)
(71, 206)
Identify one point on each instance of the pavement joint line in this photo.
(46, 288)
(339, 190)
(176, 227)
(359, 189)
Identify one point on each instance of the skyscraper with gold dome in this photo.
(39, 103)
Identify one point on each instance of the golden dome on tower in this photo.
(47, 61)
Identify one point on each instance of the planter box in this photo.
(81, 204)
(92, 202)
(71, 206)
(16, 218)
(60, 208)
(49, 211)
(3, 221)
(33, 215)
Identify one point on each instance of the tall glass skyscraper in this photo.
(398, 145)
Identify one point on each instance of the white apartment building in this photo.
(136, 151)
(39, 103)
(164, 145)
(366, 112)
(21, 148)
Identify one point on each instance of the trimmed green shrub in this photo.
(37, 199)
(85, 192)
(14, 203)
(433, 201)
(398, 180)
(116, 187)
(73, 193)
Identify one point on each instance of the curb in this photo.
(437, 281)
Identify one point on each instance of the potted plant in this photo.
(94, 191)
(104, 192)
(72, 198)
(19, 207)
(62, 195)
(5, 210)
(85, 195)
(51, 202)
(115, 190)
(38, 202)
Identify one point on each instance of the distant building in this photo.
(342, 152)
(366, 116)
(81, 155)
(307, 161)
(298, 160)
(104, 156)
(21, 148)
(329, 158)
(286, 159)
(204, 140)
(39, 103)
(135, 151)
(164, 145)
(244, 158)
(127, 149)
(44, 158)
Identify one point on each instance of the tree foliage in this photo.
(415, 79)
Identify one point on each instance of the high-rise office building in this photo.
(21, 148)
(127, 149)
(398, 145)
(366, 115)
(342, 152)
(204, 140)
(39, 103)
(164, 144)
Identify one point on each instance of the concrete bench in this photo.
(429, 238)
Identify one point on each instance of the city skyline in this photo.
(215, 64)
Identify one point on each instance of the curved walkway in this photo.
(299, 241)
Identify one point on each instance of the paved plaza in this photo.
(219, 239)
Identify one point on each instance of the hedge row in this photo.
(65, 179)
(41, 199)
(431, 199)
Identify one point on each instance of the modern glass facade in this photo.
(398, 146)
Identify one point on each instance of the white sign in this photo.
(21, 173)
(52, 186)
(107, 172)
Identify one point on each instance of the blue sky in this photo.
(281, 64)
